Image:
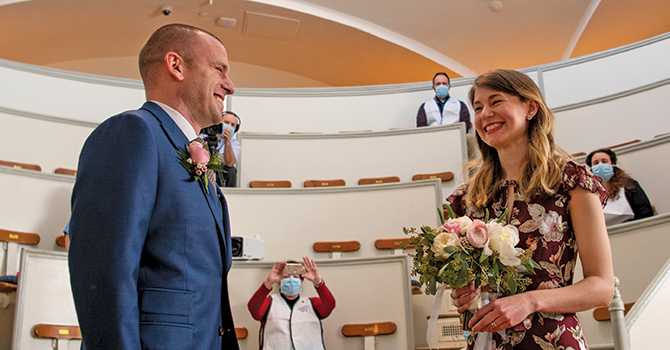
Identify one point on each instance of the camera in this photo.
(166, 9)
(213, 130)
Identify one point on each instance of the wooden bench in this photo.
(445, 176)
(395, 244)
(17, 165)
(378, 180)
(65, 171)
(336, 248)
(369, 331)
(270, 184)
(241, 332)
(10, 244)
(324, 183)
(623, 144)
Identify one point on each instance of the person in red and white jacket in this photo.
(289, 321)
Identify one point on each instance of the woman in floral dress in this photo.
(555, 204)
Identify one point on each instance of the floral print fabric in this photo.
(544, 225)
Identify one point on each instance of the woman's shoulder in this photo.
(577, 175)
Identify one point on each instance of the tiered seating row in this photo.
(350, 157)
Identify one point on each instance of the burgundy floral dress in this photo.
(544, 225)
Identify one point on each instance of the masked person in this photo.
(229, 147)
(443, 109)
(626, 200)
(288, 320)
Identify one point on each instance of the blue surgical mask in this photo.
(604, 171)
(230, 127)
(441, 91)
(290, 286)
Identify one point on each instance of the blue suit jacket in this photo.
(150, 250)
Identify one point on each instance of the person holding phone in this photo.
(288, 320)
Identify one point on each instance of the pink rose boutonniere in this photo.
(197, 161)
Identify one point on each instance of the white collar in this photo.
(179, 119)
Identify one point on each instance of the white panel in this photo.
(329, 114)
(636, 117)
(66, 98)
(43, 296)
(607, 75)
(35, 203)
(365, 290)
(289, 221)
(647, 332)
(401, 153)
(48, 144)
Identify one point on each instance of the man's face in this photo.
(441, 80)
(230, 120)
(206, 82)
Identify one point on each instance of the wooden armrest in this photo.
(416, 290)
(340, 246)
(65, 171)
(353, 131)
(392, 243)
(270, 184)
(367, 329)
(54, 331)
(603, 314)
(241, 332)
(19, 237)
(445, 176)
(324, 183)
(305, 133)
(578, 154)
(653, 208)
(17, 165)
(378, 180)
(60, 241)
(623, 144)
(6, 287)
(661, 135)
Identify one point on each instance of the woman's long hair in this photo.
(544, 160)
(619, 179)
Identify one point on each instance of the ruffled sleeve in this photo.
(457, 200)
(578, 175)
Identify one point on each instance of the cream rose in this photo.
(442, 241)
(504, 241)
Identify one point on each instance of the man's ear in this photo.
(175, 65)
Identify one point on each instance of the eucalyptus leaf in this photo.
(449, 249)
(511, 283)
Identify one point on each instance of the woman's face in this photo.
(600, 158)
(500, 118)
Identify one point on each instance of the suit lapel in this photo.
(178, 141)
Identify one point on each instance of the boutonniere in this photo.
(198, 161)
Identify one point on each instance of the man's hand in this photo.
(226, 135)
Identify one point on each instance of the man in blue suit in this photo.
(150, 242)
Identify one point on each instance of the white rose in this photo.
(504, 241)
(465, 224)
(442, 241)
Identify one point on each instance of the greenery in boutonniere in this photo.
(197, 161)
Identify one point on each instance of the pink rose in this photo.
(198, 153)
(478, 234)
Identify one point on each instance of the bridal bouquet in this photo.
(464, 250)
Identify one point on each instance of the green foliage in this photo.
(466, 264)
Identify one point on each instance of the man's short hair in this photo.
(441, 73)
(174, 37)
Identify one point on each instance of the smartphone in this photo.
(294, 269)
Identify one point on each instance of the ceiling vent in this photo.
(269, 26)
